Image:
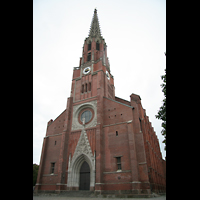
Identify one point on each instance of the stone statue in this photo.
(84, 121)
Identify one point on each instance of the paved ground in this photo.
(86, 198)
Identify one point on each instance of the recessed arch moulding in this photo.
(82, 153)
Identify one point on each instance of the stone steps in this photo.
(80, 193)
(92, 194)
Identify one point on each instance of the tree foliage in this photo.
(162, 112)
(35, 173)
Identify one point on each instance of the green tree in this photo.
(35, 173)
(162, 112)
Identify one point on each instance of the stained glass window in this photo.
(87, 115)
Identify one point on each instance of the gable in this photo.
(116, 112)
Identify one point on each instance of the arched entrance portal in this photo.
(84, 177)
(75, 171)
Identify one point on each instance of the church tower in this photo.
(100, 142)
(93, 63)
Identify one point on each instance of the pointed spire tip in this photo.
(94, 27)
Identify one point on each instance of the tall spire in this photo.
(94, 28)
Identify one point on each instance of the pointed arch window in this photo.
(140, 124)
(89, 86)
(97, 45)
(82, 88)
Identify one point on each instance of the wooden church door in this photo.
(84, 177)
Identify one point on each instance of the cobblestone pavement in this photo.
(55, 197)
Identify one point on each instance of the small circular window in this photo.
(87, 115)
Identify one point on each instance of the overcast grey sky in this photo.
(135, 33)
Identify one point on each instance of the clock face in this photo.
(108, 75)
(86, 70)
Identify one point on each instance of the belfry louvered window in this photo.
(89, 46)
(89, 57)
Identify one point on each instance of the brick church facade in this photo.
(100, 142)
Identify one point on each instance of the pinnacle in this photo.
(95, 28)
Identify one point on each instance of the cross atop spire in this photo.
(94, 28)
